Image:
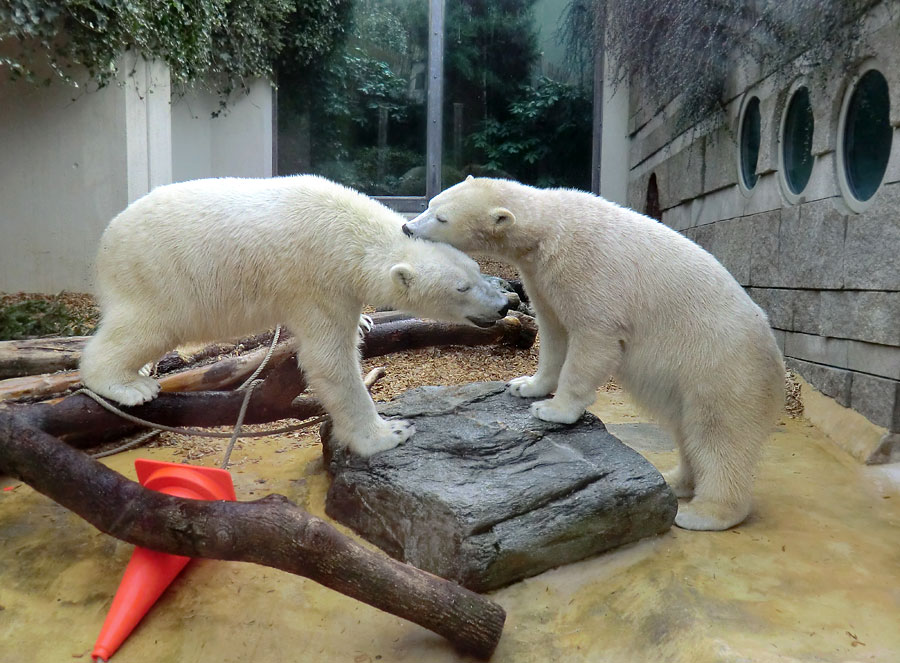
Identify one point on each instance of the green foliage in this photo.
(217, 42)
(690, 47)
(357, 88)
(491, 49)
(329, 118)
(544, 136)
(40, 317)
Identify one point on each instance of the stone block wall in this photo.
(828, 278)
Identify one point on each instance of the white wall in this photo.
(236, 143)
(63, 175)
(71, 159)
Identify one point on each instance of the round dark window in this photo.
(867, 135)
(797, 141)
(750, 143)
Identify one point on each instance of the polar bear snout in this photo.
(480, 321)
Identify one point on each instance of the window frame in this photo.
(853, 203)
(739, 163)
(789, 195)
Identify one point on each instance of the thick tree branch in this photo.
(393, 332)
(271, 531)
(80, 420)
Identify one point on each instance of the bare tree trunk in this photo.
(272, 531)
(393, 332)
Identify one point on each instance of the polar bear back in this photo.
(242, 250)
(636, 266)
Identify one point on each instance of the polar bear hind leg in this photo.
(718, 456)
(112, 359)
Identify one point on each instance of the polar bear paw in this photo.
(392, 433)
(140, 390)
(366, 324)
(528, 386)
(557, 412)
(700, 514)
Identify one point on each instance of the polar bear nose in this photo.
(407, 231)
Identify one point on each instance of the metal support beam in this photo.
(598, 93)
(434, 111)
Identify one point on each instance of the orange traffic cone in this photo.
(149, 572)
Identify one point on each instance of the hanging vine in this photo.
(690, 47)
(219, 43)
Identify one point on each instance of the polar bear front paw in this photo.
(140, 390)
(528, 386)
(557, 412)
(392, 433)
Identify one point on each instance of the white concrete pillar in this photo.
(146, 86)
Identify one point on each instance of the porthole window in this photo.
(864, 141)
(796, 142)
(749, 146)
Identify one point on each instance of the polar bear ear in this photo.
(502, 217)
(469, 178)
(402, 274)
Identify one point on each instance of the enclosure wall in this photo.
(827, 276)
(72, 158)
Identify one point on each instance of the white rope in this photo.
(249, 385)
(240, 419)
(192, 431)
(262, 365)
(138, 441)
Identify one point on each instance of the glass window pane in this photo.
(797, 141)
(867, 135)
(750, 143)
(518, 78)
(359, 118)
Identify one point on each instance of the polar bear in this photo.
(219, 258)
(618, 294)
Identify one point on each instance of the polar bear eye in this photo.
(441, 219)
(464, 288)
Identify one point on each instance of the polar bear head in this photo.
(470, 216)
(437, 281)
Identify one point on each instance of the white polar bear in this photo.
(218, 258)
(618, 294)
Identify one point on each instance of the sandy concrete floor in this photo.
(814, 575)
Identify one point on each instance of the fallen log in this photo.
(392, 332)
(272, 531)
(40, 355)
(224, 374)
(59, 353)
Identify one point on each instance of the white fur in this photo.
(220, 258)
(618, 294)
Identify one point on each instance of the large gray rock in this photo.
(484, 494)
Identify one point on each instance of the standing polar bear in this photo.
(219, 258)
(618, 294)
